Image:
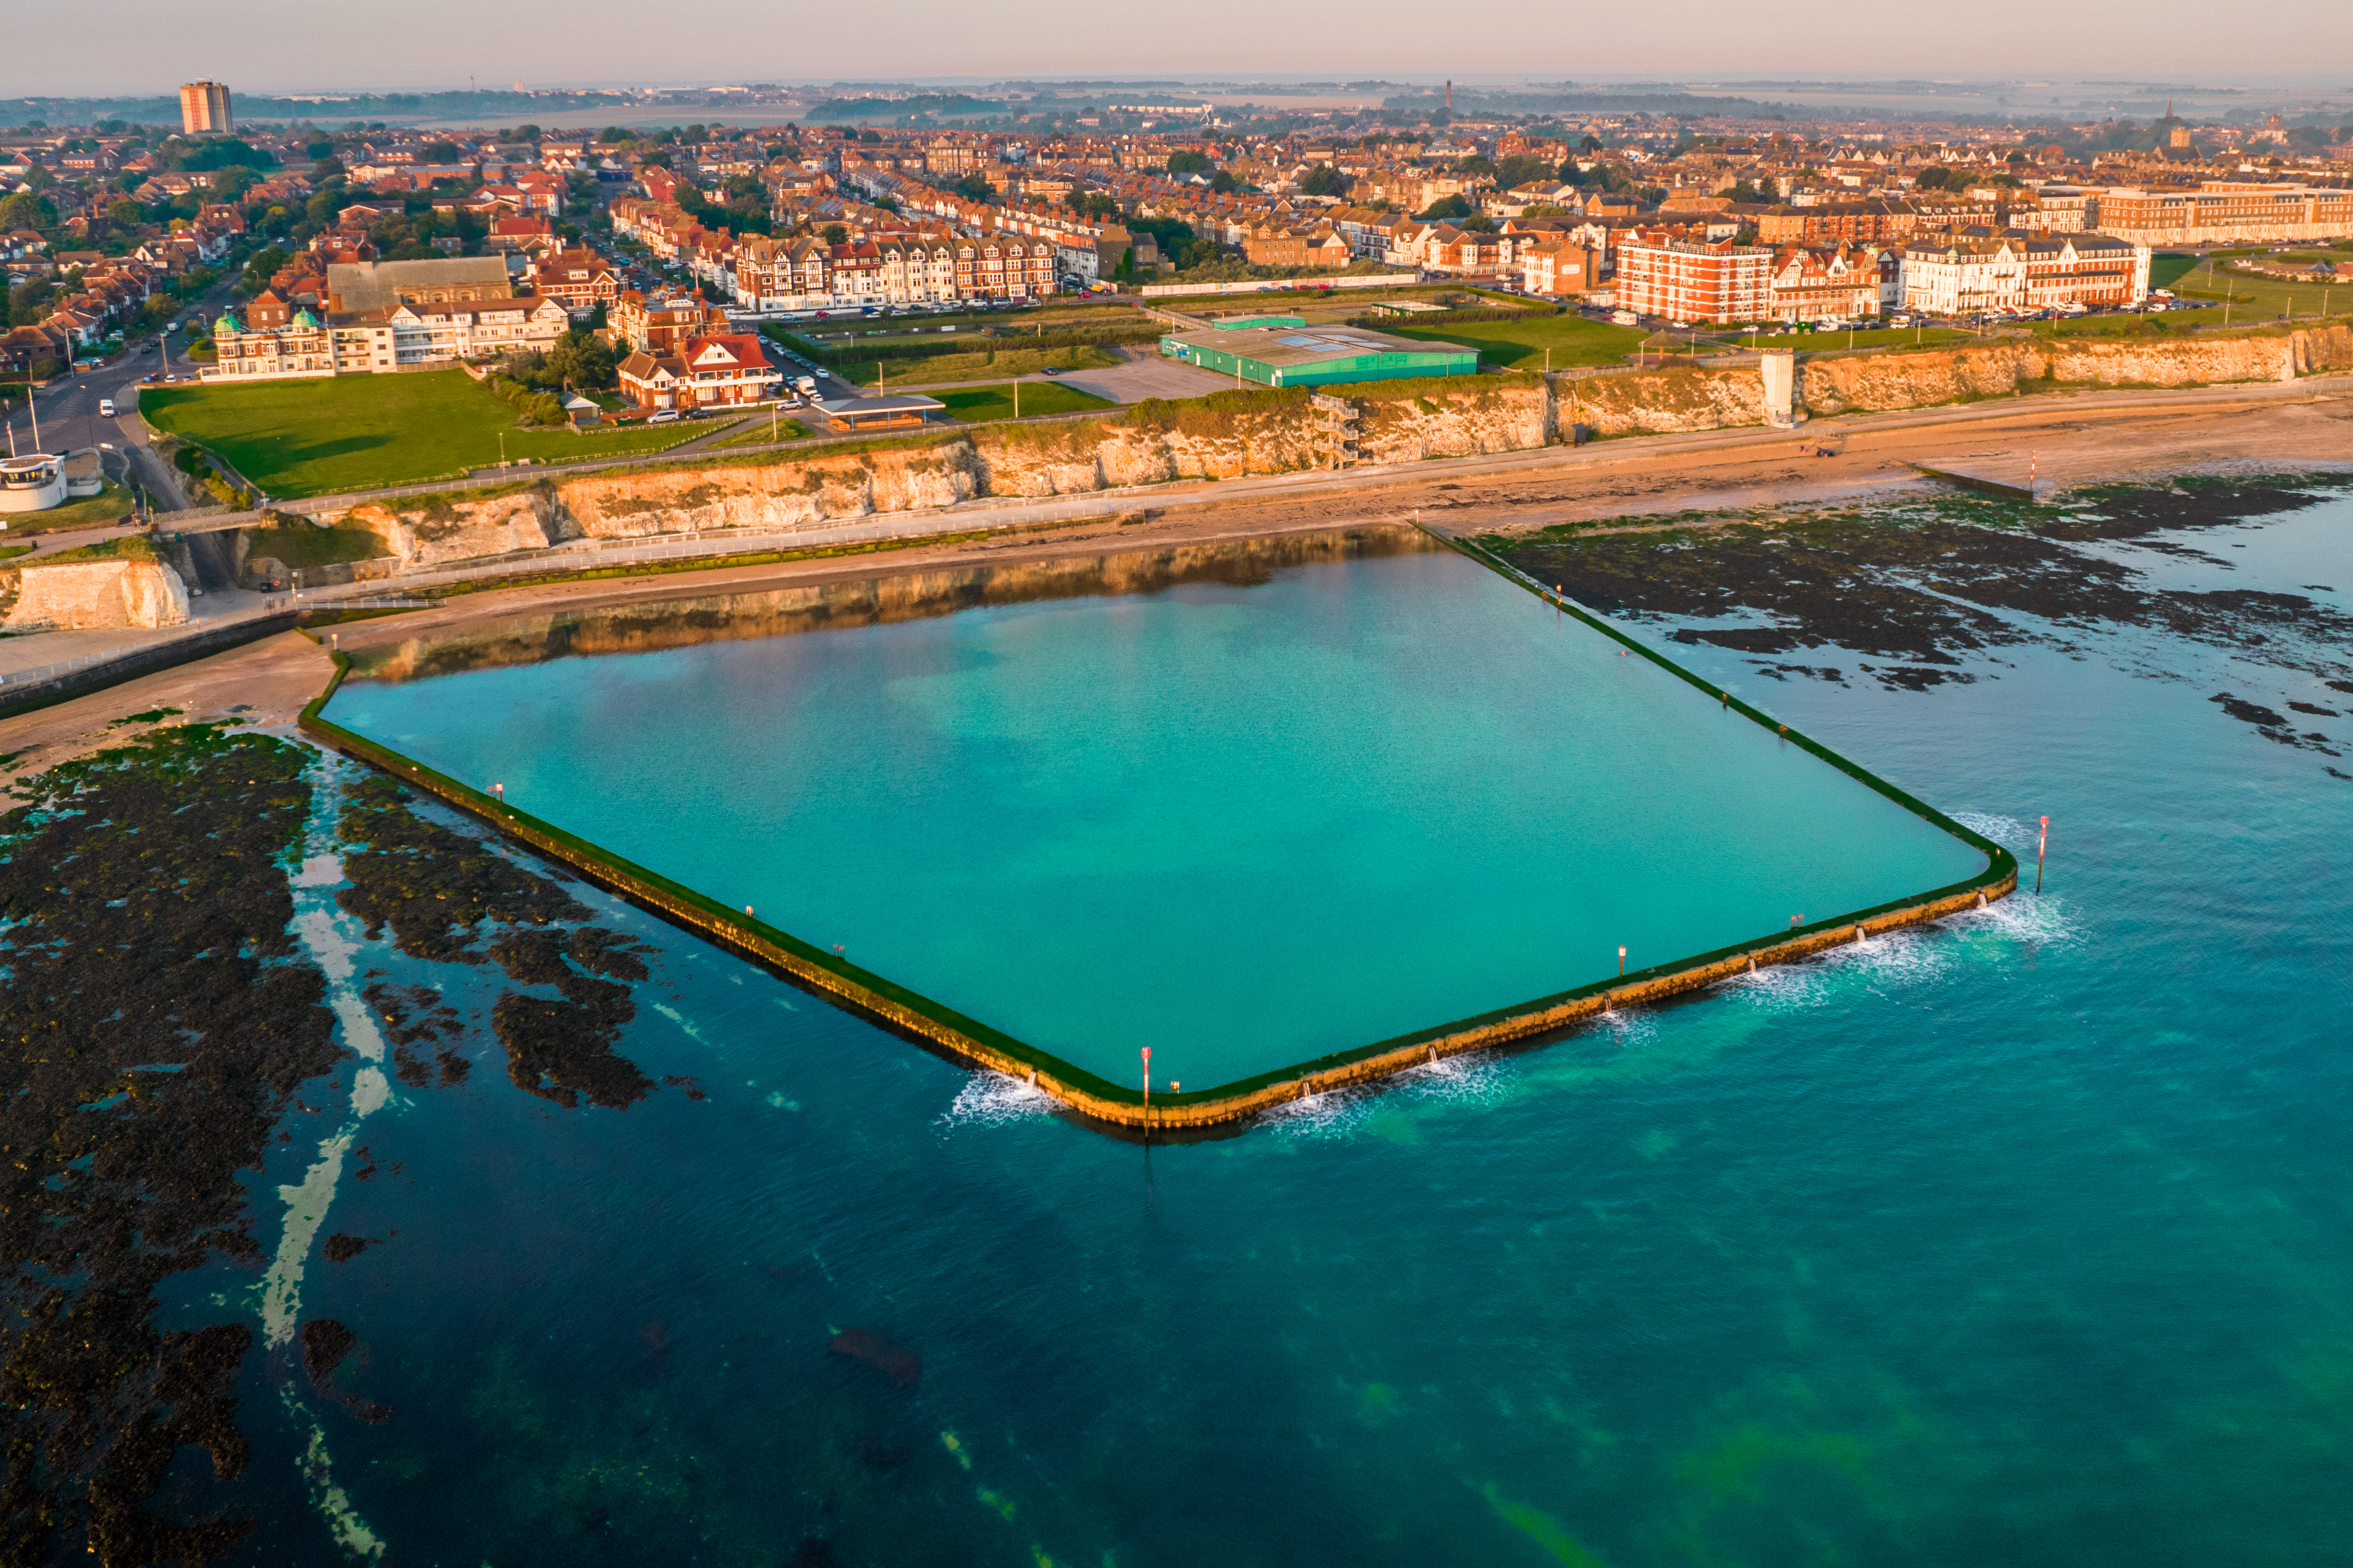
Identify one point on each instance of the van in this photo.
(106, 408)
(1625, 318)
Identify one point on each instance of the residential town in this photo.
(392, 248)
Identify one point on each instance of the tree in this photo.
(1223, 181)
(580, 359)
(1324, 180)
(835, 234)
(1478, 223)
(442, 152)
(1476, 164)
(974, 187)
(1446, 209)
(326, 169)
(127, 212)
(1522, 170)
(27, 209)
(1934, 178)
(261, 269)
(1187, 161)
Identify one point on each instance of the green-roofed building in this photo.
(1294, 355)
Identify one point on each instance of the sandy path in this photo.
(264, 683)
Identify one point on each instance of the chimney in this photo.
(1450, 95)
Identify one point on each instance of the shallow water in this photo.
(2020, 1240)
(1243, 824)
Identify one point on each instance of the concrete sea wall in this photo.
(1123, 1106)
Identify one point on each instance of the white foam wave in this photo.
(2025, 916)
(993, 1100)
(1633, 1026)
(2012, 835)
(1912, 955)
(1334, 1113)
(1474, 1078)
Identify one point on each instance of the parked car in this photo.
(662, 416)
(1052, 370)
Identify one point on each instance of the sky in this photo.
(152, 45)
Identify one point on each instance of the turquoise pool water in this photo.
(1286, 800)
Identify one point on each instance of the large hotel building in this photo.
(2223, 210)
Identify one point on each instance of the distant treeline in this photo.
(827, 111)
(161, 110)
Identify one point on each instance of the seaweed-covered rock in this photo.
(156, 1020)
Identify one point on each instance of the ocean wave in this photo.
(2012, 835)
(1475, 1078)
(1334, 1113)
(993, 1100)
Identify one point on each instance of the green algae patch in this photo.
(1545, 1530)
(157, 1020)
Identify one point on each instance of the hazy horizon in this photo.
(152, 48)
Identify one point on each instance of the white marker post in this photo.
(2042, 845)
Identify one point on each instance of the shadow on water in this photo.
(644, 627)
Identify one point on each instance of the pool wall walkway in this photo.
(1207, 1111)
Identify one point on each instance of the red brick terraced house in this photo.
(1836, 282)
(723, 370)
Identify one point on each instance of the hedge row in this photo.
(1376, 323)
(539, 408)
(969, 342)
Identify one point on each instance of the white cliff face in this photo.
(89, 595)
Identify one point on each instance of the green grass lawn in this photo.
(2166, 270)
(760, 432)
(8, 549)
(2256, 300)
(980, 365)
(984, 405)
(366, 432)
(1521, 345)
(110, 504)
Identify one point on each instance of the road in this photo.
(69, 412)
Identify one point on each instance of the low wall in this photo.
(1124, 1107)
(26, 697)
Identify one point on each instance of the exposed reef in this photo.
(156, 1021)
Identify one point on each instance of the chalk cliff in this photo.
(88, 595)
(1232, 434)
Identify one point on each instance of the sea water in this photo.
(2021, 1240)
(1239, 824)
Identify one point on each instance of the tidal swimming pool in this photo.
(1243, 804)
